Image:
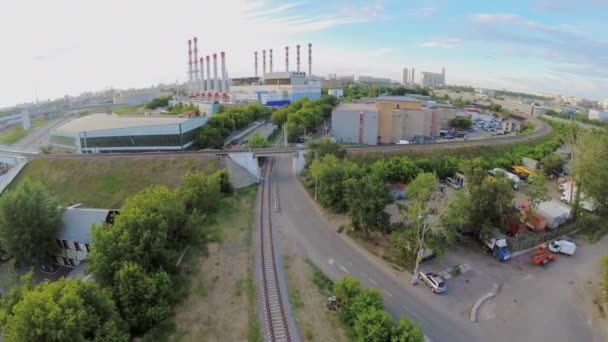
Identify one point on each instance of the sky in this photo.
(54, 48)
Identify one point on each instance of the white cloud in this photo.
(443, 42)
(423, 12)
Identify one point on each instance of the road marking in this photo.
(373, 281)
(331, 261)
(365, 275)
(388, 293)
(343, 269)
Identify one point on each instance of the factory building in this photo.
(285, 86)
(337, 93)
(355, 123)
(108, 133)
(398, 118)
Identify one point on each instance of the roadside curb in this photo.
(481, 300)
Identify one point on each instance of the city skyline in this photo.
(531, 46)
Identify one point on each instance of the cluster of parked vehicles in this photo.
(488, 125)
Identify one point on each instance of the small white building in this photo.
(74, 236)
(510, 126)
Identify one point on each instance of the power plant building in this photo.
(397, 118)
(278, 86)
(110, 133)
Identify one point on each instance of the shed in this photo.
(555, 212)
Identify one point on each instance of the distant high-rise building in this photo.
(413, 76)
(432, 79)
(405, 77)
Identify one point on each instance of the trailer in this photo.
(556, 213)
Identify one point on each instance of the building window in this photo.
(77, 245)
(65, 244)
(87, 247)
(59, 243)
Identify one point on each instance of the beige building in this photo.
(399, 118)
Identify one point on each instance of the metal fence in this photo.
(530, 239)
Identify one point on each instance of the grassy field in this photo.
(129, 110)
(221, 301)
(106, 183)
(17, 133)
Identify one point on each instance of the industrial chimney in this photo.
(298, 58)
(309, 60)
(256, 64)
(270, 60)
(208, 82)
(263, 63)
(202, 85)
(190, 64)
(224, 81)
(215, 83)
(287, 58)
(196, 83)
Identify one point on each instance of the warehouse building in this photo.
(278, 86)
(355, 123)
(107, 133)
(390, 119)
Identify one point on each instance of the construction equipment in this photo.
(522, 172)
(543, 256)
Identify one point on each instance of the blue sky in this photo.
(69, 46)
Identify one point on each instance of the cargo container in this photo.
(555, 213)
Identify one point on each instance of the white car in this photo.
(562, 246)
(434, 281)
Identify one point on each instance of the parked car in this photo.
(434, 281)
(562, 246)
(453, 183)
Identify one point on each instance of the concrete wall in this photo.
(345, 126)
(8, 178)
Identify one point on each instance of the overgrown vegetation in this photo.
(304, 115)
(357, 91)
(221, 125)
(461, 123)
(362, 312)
(258, 141)
(157, 102)
(14, 134)
(181, 108)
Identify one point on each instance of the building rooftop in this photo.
(77, 223)
(102, 121)
(397, 98)
(357, 107)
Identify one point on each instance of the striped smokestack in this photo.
(309, 60)
(202, 80)
(190, 64)
(263, 63)
(287, 58)
(256, 64)
(298, 57)
(208, 81)
(196, 80)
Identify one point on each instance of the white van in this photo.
(563, 246)
(516, 181)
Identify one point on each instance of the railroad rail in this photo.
(275, 317)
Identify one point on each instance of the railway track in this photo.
(276, 324)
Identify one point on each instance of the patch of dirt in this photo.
(315, 322)
(216, 308)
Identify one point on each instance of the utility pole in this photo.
(285, 134)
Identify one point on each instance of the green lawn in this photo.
(129, 110)
(17, 133)
(106, 183)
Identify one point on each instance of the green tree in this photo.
(258, 141)
(329, 175)
(201, 192)
(365, 199)
(151, 231)
(536, 191)
(318, 149)
(29, 220)
(142, 298)
(461, 122)
(455, 215)
(162, 101)
(64, 310)
(373, 325)
(552, 162)
(345, 290)
(406, 331)
(590, 167)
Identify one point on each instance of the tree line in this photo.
(304, 115)
(362, 312)
(357, 91)
(133, 262)
(228, 120)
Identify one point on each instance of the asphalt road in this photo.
(304, 231)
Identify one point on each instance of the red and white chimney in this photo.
(224, 80)
(202, 80)
(196, 80)
(270, 59)
(215, 82)
(263, 63)
(208, 81)
(309, 60)
(190, 65)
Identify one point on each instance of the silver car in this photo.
(434, 281)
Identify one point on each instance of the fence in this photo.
(529, 239)
(8, 178)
